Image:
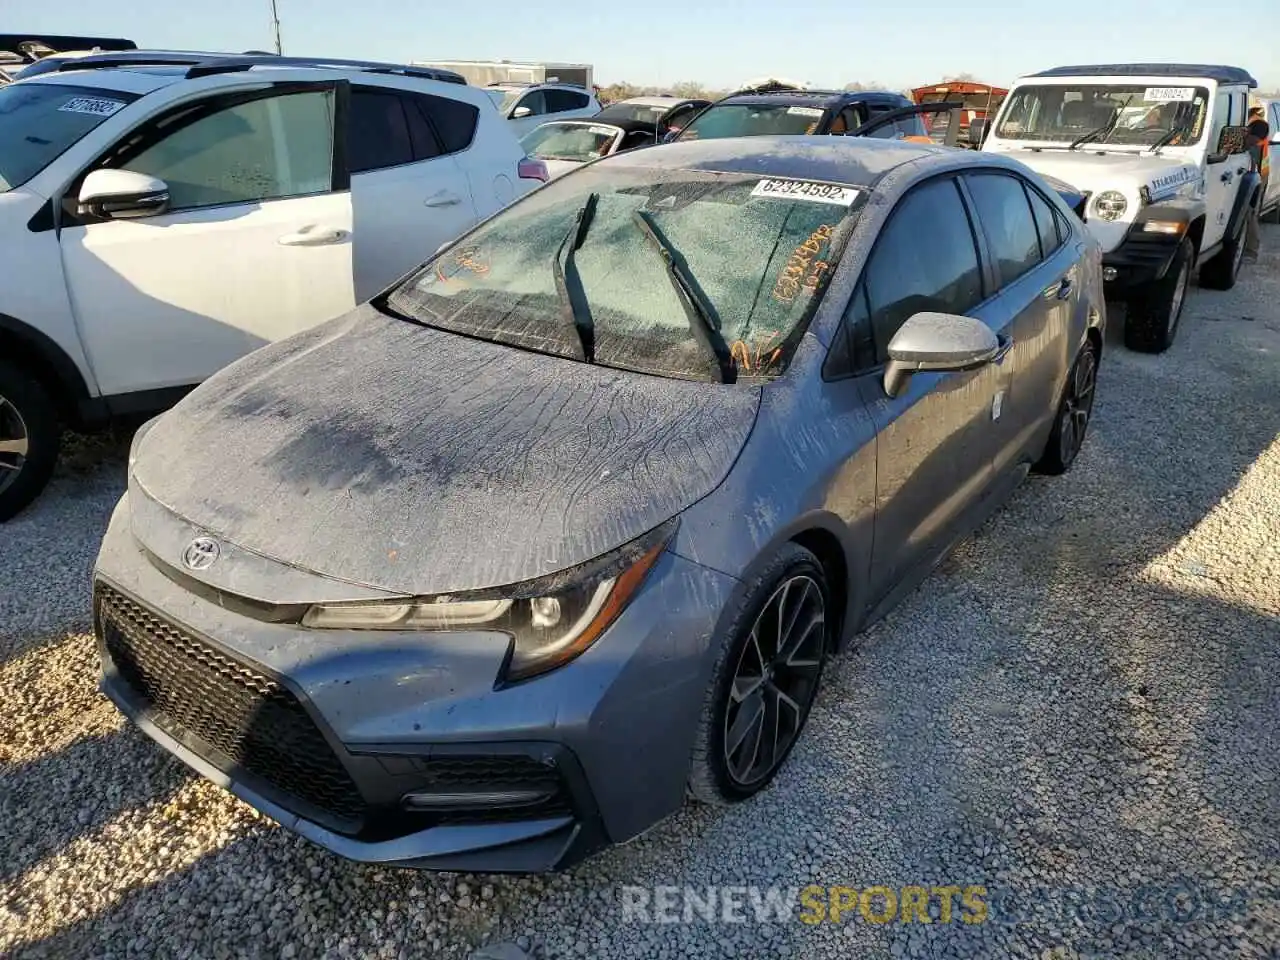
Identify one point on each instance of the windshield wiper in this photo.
(697, 309)
(1166, 139)
(1103, 130)
(573, 300)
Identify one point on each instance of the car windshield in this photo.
(634, 111)
(756, 254)
(752, 120)
(1134, 114)
(38, 121)
(569, 141)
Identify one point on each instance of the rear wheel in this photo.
(1075, 410)
(1154, 311)
(29, 438)
(765, 680)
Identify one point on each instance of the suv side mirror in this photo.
(977, 132)
(939, 343)
(519, 113)
(122, 195)
(1230, 142)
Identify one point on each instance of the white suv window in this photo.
(267, 148)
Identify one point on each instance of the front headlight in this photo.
(550, 620)
(1110, 205)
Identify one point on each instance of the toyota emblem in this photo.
(200, 554)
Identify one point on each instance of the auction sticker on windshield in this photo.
(1169, 94)
(96, 106)
(804, 111)
(806, 190)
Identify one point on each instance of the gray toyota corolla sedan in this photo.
(496, 569)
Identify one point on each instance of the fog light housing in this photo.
(438, 801)
(1109, 273)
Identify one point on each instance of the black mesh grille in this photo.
(250, 718)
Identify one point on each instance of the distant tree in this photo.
(858, 85)
(961, 77)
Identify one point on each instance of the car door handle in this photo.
(312, 237)
(1058, 291)
(1006, 344)
(444, 198)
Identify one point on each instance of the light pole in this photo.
(275, 26)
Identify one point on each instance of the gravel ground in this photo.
(1079, 712)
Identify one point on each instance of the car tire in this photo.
(1221, 272)
(1075, 411)
(1151, 321)
(721, 774)
(29, 439)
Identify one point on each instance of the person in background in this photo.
(1258, 141)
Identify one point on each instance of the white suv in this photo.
(1158, 151)
(526, 105)
(162, 215)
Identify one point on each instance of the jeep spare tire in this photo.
(1155, 308)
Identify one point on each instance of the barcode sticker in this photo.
(95, 106)
(806, 190)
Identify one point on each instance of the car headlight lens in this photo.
(551, 620)
(1110, 205)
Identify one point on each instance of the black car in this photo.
(788, 112)
(668, 114)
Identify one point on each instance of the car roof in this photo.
(1218, 73)
(124, 81)
(650, 101)
(523, 85)
(860, 161)
(627, 126)
(827, 99)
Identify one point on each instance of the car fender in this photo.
(1246, 198)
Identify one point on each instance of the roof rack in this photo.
(209, 64)
(1210, 71)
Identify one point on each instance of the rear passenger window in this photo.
(925, 259)
(1046, 222)
(377, 131)
(1006, 219)
(454, 121)
(560, 100)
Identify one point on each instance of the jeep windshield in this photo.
(752, 120)
(1128, 114)
(680, 273)
(39, 121)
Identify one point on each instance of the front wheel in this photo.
(1154, 311)
(1075, 409)
(29, 439)
(765, 680)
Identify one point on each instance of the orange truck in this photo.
(981, 101)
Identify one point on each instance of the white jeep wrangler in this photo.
(1158, 153)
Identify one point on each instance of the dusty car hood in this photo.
(420, 462)
(1125, 172)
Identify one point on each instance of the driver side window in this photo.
(264, 149)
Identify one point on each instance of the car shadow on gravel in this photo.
(47, 551)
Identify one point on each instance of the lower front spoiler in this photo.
(529, 846)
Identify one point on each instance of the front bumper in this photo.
(1141, 258)
(328, 731)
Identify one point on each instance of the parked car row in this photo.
(433, 565)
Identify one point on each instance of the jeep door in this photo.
(1223, 171)
(255, 243)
